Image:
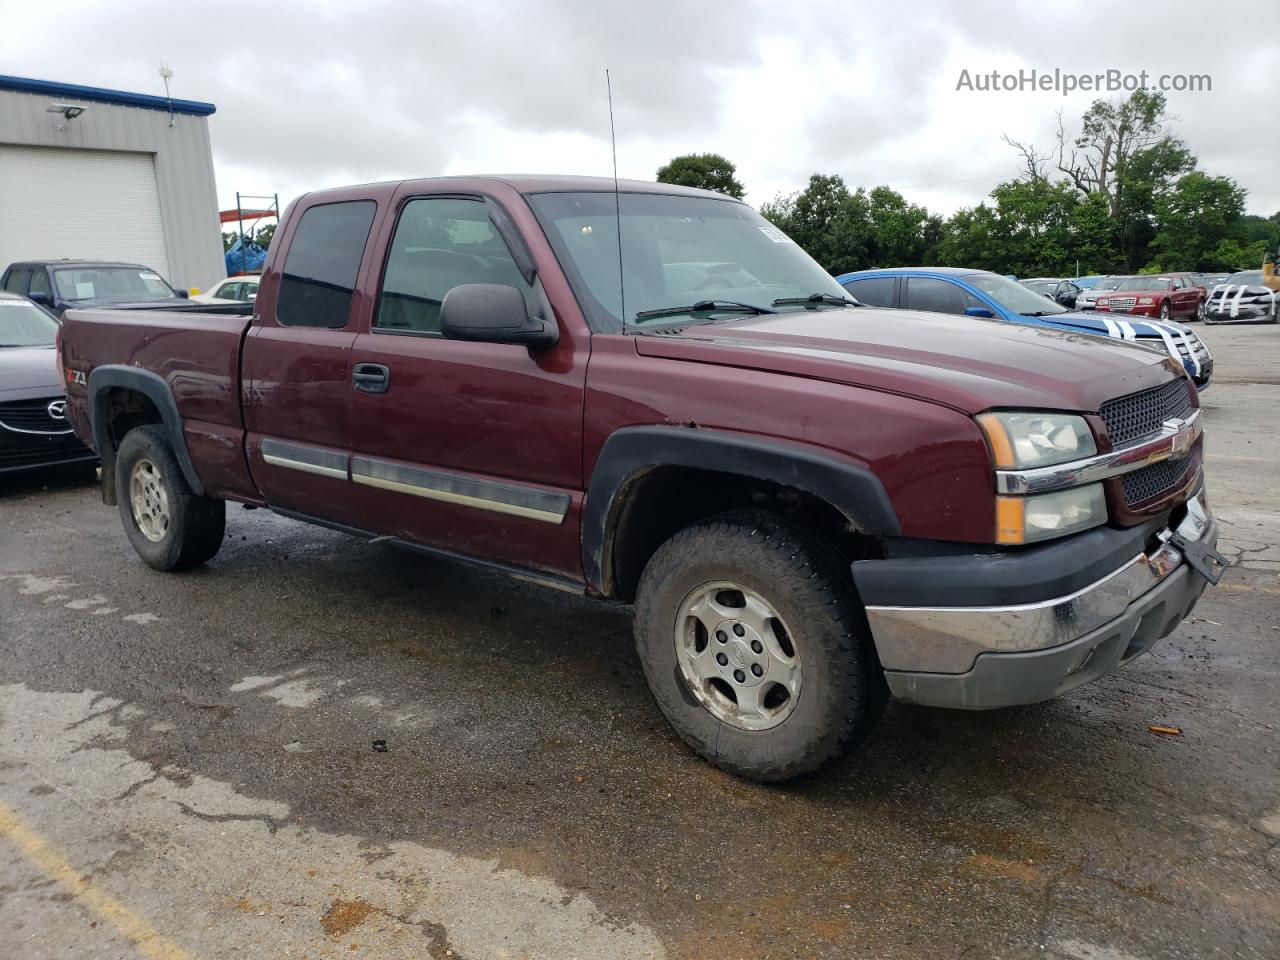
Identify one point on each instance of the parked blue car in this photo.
(980, 293)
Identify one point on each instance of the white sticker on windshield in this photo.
(776, 235)
(84, 290)
(150, 276)
(14, 303)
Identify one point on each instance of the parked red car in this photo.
(1167, 296)
(811, 503)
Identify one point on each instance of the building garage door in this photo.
(81, 204)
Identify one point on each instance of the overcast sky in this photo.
(320, 94)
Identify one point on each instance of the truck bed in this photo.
(195, 352)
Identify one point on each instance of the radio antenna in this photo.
(617, 200)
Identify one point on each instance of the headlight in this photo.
(1048, 515)
(1022, 440)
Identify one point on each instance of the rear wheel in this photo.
(169, 525)
(756, 649)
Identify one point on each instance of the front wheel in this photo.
(755, 648)
(170, 526)
(1164, 310)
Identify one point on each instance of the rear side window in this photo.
(39, 282)
(873, 291)
(939, 296)
(324, 259)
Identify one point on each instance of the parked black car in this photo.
(34, 431)
(1062, 292)
(60, 284)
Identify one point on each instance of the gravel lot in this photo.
(187, 765)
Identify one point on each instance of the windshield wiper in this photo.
(817, 298)
(703, 306)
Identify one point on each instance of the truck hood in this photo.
(27, 372)
(968, 363)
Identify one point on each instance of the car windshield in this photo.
(677, 251)
(1107, 283)
(1144, 283)
(1041, 287)
(1250, 278)
(1013, 296)
(23, 324)
(115, 284)
(1088, 283)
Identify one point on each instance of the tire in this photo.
(840, 689)
(172, 528)
(1164, 310)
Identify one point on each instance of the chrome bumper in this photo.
(948, 640)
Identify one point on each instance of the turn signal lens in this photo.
(1048, 515)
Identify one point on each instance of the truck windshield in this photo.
(1014, 296)
(676, 251)
(113, 284)
(23, 324)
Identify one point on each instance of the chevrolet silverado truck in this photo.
(651, 395)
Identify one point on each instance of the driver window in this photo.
(439, 243)
(938, 296)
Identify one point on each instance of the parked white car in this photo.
(230, 290)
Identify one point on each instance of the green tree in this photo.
(1194, 219)
(829, 222)
(708, 171)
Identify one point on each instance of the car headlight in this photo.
(1048, 515)
(1022, 440)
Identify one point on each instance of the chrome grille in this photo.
(1158, 478)
(1123, 303)
(1138, 414)
(32, 416)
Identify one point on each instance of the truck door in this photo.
(470, 448)
(295, 372)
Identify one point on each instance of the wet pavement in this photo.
(188, 765)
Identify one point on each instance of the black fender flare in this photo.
(154, 388)
(631, 452)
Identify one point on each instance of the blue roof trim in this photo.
(74, 91)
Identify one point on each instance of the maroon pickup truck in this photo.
(655, 397)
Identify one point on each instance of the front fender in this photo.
(630, 452)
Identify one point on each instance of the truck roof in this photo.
(545, 183)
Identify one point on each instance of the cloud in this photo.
(323, 93)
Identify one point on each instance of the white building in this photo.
(87, 173)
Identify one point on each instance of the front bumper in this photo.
(985, 657)
(1247, 313)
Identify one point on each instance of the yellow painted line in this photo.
(149, 941)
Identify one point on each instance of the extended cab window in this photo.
(17, 281)
(439, 243)
(324, 259)
(939, 296)
(873, 291)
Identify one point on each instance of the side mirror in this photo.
(493, 313)
(182, 293)
(39, 297)
(979, 312)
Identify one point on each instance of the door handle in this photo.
(371, 378)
